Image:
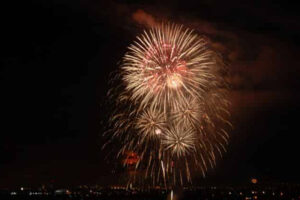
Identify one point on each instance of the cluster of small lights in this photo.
(246, 193)
(37, 193)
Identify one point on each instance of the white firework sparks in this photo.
(172, 110)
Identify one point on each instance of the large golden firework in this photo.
(172, 109)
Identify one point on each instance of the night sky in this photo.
(56, 61)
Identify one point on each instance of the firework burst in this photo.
(171, 105)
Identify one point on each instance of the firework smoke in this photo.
(171, 105)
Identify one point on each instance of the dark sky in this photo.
(55, 63)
